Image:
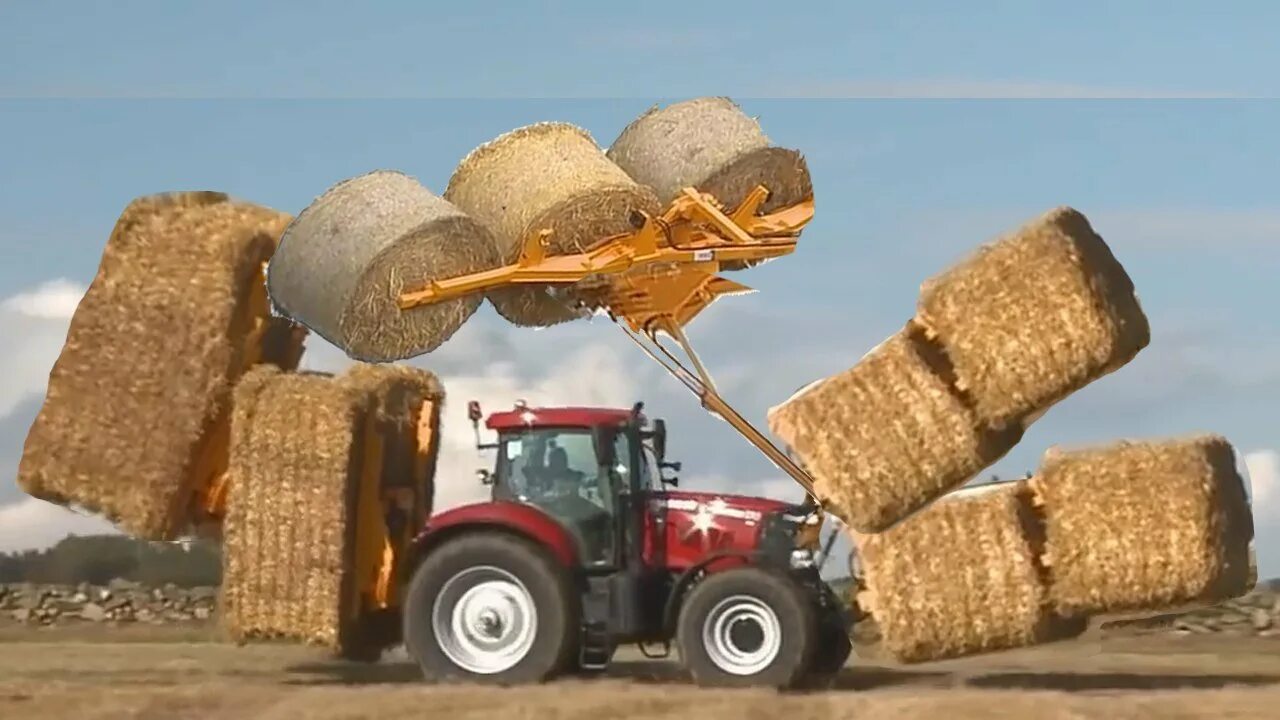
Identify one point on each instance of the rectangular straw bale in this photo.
(300, 446)
(1034, 316)
(1145, 525)
(288, 534)
(887, 436)
(150, 357)
(960, 577)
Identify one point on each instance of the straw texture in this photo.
(961, 577)
(151, 354)
(1145, 525)
(344, 262)
(546, 176)
(886, 437)
(1034, 316)
(294, 562)
(710, 144)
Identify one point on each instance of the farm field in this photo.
(92, 674)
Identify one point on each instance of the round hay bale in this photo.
(710, 144)
(546, 176)
(344, 261)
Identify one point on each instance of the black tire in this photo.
(834, 649)
(370, 637)
(753, 590)
(491, 556)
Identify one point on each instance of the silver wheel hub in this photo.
(742, 635)
(484, 620)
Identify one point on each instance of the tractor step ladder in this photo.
(596, 649)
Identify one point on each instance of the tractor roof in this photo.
(556, 417)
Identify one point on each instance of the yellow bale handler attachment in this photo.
(656, 280)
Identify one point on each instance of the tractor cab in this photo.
(582, 466)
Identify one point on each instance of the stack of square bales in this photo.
(998, 339)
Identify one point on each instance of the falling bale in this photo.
(546, 176)
(961, 577)
(344, 262)
(1145, 525)
(309, 462)
(1033, 317)
(886, 437)
(710, 144)
(137, 400)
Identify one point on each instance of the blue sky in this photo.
(914, 163)
(579, 48)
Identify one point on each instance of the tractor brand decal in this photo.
(715, 508)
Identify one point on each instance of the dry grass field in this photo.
(169, 674)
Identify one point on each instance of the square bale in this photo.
(886, 437)
(309, 465)
(1145, 525)
(961, 577)
(138, 396)
(1034, 316)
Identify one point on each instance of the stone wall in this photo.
(122, 602)
(118, 602)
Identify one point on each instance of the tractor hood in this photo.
(720, 502)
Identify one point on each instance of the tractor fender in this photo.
(518, 519)
(716, 562)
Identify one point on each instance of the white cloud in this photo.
(39, 317)
(482, 363)
(54, 300)
(36, 524)
(1264, 483)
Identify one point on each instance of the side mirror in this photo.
(660, 438)
(485, 477)
(473, 411)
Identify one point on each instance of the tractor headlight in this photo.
(801, 558)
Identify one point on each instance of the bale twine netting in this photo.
(710, 144)
(1033, 317)
(309, 463)
(547, 176)
(886, 437)
(137, 397)
(961, 577)
(1145, 525)
(344, 262)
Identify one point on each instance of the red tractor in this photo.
(585, 545)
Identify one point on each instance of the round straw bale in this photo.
(547, 176)
(141, 386)
(343, 263)
(710, 144)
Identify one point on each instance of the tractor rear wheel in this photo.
(748, 627)
(490, 608)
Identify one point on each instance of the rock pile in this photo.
(1257, 613)
(120, 601)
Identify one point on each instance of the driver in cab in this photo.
(562, 498)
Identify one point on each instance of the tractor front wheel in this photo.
(490, 608)
(748, 627)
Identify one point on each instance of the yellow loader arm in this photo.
(654, 281)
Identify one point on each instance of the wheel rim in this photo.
(485, 620)
(742, 635)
